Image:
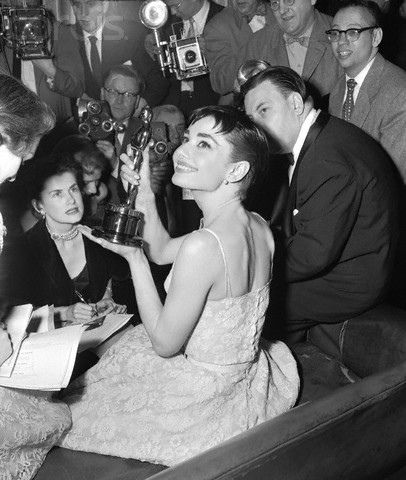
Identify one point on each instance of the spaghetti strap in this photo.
(227, 276)
(260, 217)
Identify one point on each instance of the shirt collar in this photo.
(307, 33)
(97, 33)
(304, 130)
(201, 16)
(362, 74)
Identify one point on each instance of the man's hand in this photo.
(107, 149)
(151, 46)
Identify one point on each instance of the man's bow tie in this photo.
(304, 41)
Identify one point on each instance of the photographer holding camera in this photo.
(189, 18)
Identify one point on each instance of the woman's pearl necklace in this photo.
(73, 233)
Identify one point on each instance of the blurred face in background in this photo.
(247, 8)
(295, 19)
(184, 9)
(90, 13)
(91, 181)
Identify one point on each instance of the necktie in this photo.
(304, 41)
(95, 62)
(348, 106)
(191, 32)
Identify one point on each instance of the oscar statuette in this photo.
(122, 223)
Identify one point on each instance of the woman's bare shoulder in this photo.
(263, 229)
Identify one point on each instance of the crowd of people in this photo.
(281, 186)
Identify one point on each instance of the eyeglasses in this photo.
(351, 34)
(114, 93)
(275, 4)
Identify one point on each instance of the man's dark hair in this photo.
(284, 78)
(371, 7)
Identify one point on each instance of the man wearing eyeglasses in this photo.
(299, 42)
(372, 93)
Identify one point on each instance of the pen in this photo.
(80, 297)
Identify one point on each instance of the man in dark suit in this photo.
(104, 39)
(340, 221)
(378, 87)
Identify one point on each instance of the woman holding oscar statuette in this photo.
(195, 373)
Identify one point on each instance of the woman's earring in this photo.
(42, 213)
(226, 182)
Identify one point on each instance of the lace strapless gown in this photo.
(136, 404)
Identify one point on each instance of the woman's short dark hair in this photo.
(84, 151)
(47, 167)
(370, 6)
(284, 78)
(249, 142)
(23, 117)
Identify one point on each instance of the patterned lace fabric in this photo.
(30, 425)
(135, 404)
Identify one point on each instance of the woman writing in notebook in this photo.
(194, 374)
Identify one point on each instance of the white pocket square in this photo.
(295, 212)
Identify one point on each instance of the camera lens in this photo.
(161, 147)
(84, 129)
(107, 126)
(94, 107)
(190, 56)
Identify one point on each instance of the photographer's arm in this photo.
(161, 248)
(65, 71)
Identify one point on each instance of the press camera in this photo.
(26, 29)
(95, 120)
(180, 56)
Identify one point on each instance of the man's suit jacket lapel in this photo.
(279, 54)
(368, 91)
(366, 94)
(336, 99)
(318, 44)
(312, 135)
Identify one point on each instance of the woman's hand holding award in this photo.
(122, 223)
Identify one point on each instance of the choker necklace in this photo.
(73, 233)
(216, 212)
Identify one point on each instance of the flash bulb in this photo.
(153, 13)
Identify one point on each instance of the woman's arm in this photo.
(160, 247)
(195, 269)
